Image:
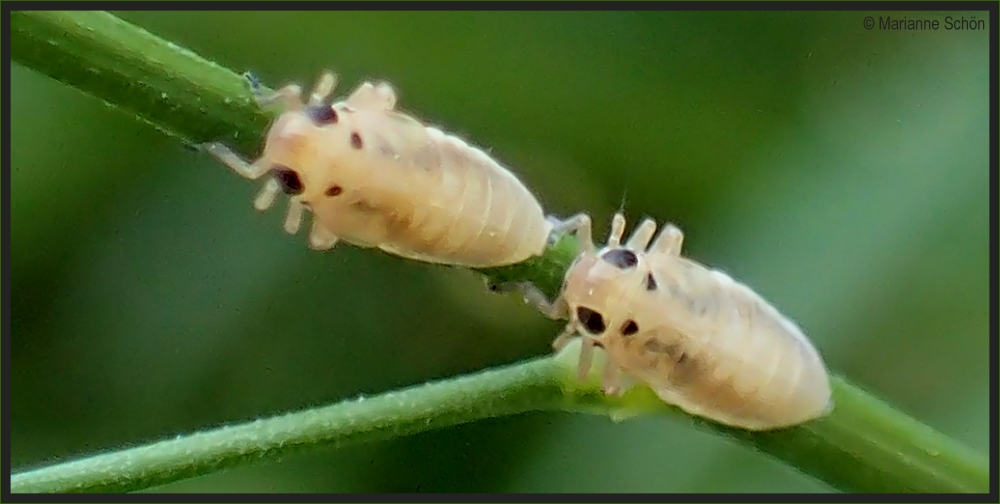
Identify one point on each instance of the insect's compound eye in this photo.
(592, 321)
(290, 182)
(630, 328)
(621, 258)
(322, 115)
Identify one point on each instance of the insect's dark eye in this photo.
(290, 182)
(650, 282)
(621, 258)
(322, 114)
(630, 328)
(591, 320)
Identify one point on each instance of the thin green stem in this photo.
(863, 446)
(493, 393)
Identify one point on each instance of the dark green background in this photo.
(841, 172)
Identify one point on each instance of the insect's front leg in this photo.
(554, 309)
(586, 357)
(579, 225)
(613, 381)
(233, 160)
(290, 94)
(611, 378)
(617, 230)
(323, 88)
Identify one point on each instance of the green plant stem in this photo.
(492, 393)
(863, 446)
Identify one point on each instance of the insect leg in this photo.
(323, 88)
(386, 94)
(627, 382)
(291, 95)
(611, 378)
(320, 238)
(669, 242)
(564, 338)
(255, 85)
(553, 309)
(234, 161)
(586, 359)
(294, 218)
(367, 96)
(265, 198)
(642, 234)
(579, 225)
(617, 230)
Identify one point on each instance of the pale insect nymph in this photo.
(701, 340)
(373, 176)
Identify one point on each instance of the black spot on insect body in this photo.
(592, 321)
(630, 328)
(621, 258)
(650, 282)
(290, 182)
(322, 115)
(334, 190)
(356, 140)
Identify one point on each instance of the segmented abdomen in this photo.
(464, 208)
(723, 352)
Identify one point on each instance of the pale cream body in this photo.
(701, 340)
(376, 177)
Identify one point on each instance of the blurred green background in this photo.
(842, 173)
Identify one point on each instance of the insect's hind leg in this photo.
(233, 160)
(669, 242)
(579, 225)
